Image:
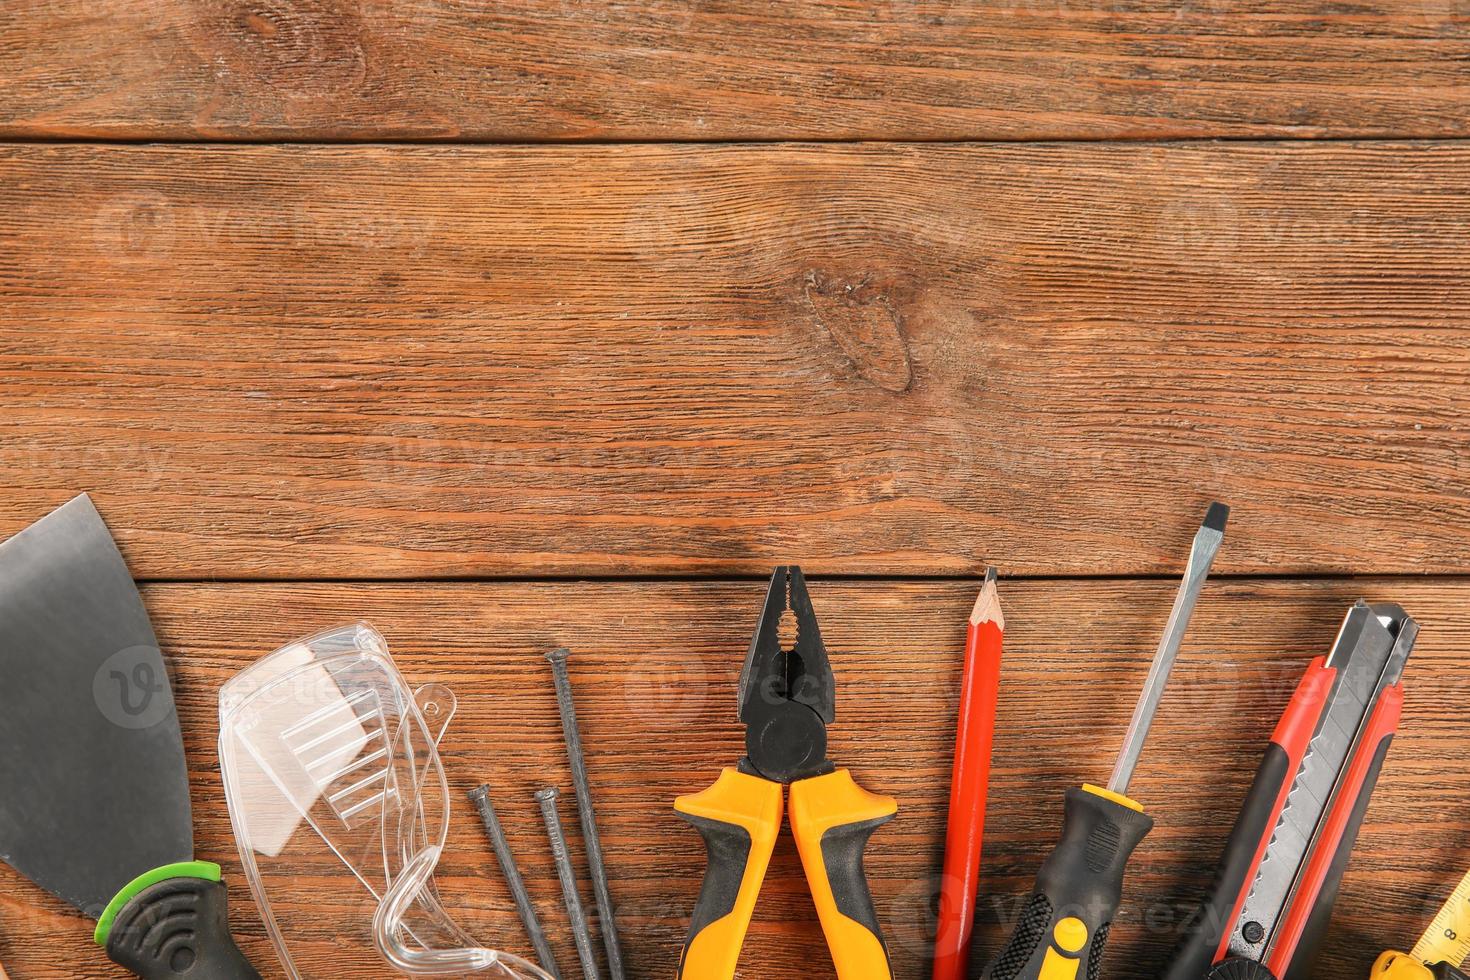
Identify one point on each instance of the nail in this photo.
(480, 796)
(563, 858)
(585, 814)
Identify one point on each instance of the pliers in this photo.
(786, 700)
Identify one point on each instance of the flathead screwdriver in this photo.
(1064, 926)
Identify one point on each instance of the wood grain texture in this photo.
(318, 362)
(531, 70)
(655, 669)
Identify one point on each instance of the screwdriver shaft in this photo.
(1201, 556)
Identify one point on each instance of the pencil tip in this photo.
(987, 604)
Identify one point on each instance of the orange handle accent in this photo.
(832, 818)
(739, 818)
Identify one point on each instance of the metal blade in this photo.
(1367, 656)
(1201, 556)
(93, 786)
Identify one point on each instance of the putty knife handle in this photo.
(179, 926)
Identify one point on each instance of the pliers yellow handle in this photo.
(831, 819)
(739, 818)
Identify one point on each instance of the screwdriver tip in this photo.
(1216, 516)
(987, 604)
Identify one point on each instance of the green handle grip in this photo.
(1064, 927)
(172, 928)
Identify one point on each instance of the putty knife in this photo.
(94, 792)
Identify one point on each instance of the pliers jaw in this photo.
(787, 697)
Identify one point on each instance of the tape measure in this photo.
(1442, 948)
(1402, 966)
(1447, 940)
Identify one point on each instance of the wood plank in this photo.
(655, 669)
(734, 70)
(420, 362)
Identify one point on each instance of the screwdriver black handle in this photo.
(178, 927)
(1064, 927)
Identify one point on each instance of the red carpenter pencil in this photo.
(970, 782)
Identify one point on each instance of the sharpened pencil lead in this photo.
(987, 604)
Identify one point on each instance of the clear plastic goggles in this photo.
(340, 809)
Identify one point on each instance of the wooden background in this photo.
(542, 322)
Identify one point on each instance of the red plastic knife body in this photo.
(1220, 936)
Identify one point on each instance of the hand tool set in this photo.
(1441, 951)
(333, 775)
